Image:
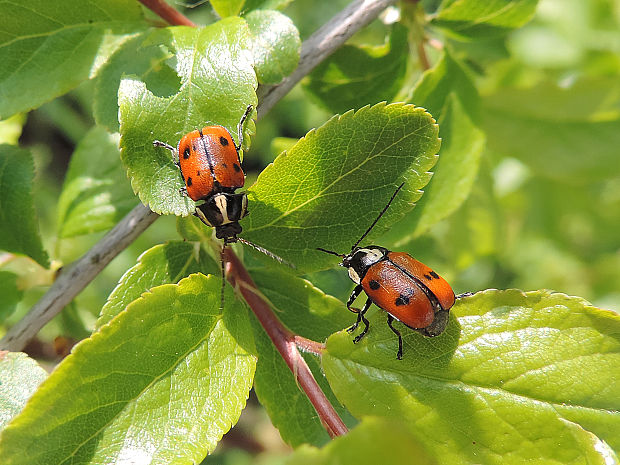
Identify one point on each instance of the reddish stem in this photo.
(285, 342)
(424, 62)
(167, 13)
(308, 345)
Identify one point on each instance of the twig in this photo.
(322, 44)
(167, 13)
(284, 341)
(70, 282)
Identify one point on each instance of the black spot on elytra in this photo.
(237, 167)
(374, 285)
(434, 275)
(224, 165)
(198, 173)
(223, 141)
(402, 300)
(186, 153)
(428, 277)
(189, 182)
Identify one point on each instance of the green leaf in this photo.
(20, 377)
(192, 229)
(355, 75)
(455, 173)
(276, 45)
(11, 129)
(226, 8)
(477, 19)
(167, 375)
(310, 313)
(145, 57)
(96, 193)
(39, 39)
(447, 77)
(281, 144)
(162, 264)
(265, 4)
(514, 380)
(217, 84)
(10, 292)
(577, 147)
(456, 170)
(328, 189)
(18, 224)
(477, 229)
(448, 93)
(374, 441)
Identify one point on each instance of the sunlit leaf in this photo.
(169, 376)
(328, 189)
(515, 377)
(20, 377)
(218, 82)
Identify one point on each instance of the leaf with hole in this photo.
(218, 82)
(145, 56)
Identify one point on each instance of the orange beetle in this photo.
(208, 159)
(209, 162)
(408, 290)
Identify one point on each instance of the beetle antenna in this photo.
(266, 252)
(223, 276)
(378, 217)
(341, 255)
(240, 126)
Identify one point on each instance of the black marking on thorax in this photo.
(429, 294)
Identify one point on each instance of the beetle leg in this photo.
(390, 319)
(183, 191)
(248, 110)
(175, 155)
(363, 318)
(464, 294)
(356, 292)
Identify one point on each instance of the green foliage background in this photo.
(525, 194)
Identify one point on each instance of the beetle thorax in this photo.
(360, 259)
